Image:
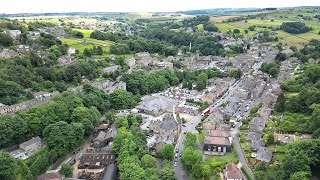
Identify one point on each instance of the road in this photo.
(190, 127)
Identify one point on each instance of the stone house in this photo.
(31, 146)
(100, 140)
(130, 62)
(65, 60)
(215, 120)
(258, 90)
(257, 124)
(257, 144)
(232, 172)
(6, 53)
(156, 105)
(241, 93)
(264, 155)
(23, 49)
(214, 145)
(265, 112)
(111, 69)
(165, 65)
(167, 131)
(276, 89)
(50, 176)
(254, 136)
(269, 99)
(15, 34)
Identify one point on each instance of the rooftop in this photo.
(216, 140)
(31, 141)
(219, 133)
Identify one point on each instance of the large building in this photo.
(217, 142)
(156, 105)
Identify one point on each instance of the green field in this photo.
(86, 32)
(81, 44)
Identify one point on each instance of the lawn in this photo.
(81, 44)
(201, 137)
(86, 32)
(232, 157)
(200, 27)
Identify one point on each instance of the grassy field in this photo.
(86, 32)
(81, 44)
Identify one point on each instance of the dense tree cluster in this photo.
(307, 101)
(311, 50)
(301, 160)
(108, 36)
(295, 27)
(134, 162)
(271, 68)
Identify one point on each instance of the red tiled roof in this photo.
(216, 140)
(220, 133)
(232, 171)
(49, 176)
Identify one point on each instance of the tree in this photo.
(190, 156)
(270, 139)
(8, 166)
(236, 31)
(147, 161)
(87, 52)
(202, 81)
(99, 50)
(300, 175)
(280, 104)
(201, 171)
(5, 40)
(167, 171)
(167, 151)
(121, 121)
(246, 31)
(190, 140)
(66, 170)
(121, 99)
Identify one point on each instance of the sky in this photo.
(46, 6)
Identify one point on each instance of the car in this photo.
(175, 164)
(185, 132)
(184, 125)
(176, 156)
(180, 154)
(177, 150)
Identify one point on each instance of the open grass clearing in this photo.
(81, 44)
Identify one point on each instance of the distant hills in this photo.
(220, 11)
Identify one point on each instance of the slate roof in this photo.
(257, 144)
(216, 140)
(264, 154)
(101, 136)
(156, 103)
(49, 176)
(31, 141)
(110, 172)
(169, 123)
(254, 136)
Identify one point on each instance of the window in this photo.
(219, 149)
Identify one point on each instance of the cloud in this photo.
(36, 6)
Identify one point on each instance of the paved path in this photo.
(241, 157)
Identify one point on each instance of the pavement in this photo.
(180, 171)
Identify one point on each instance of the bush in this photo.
(295, 27)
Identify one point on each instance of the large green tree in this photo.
(167, 151)
(8, 166)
